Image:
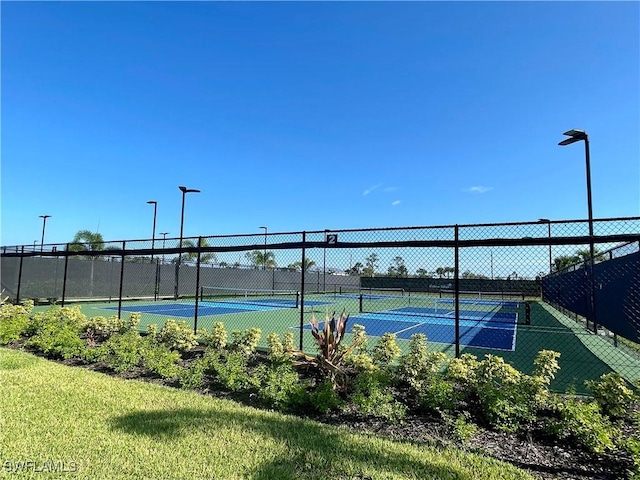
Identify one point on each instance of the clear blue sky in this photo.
(313, 116)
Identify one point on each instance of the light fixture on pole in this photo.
(164, 239)
(153, 233)
(577, 136)
(184, 191)
(264, 254)
(548, 222)
(44, 224)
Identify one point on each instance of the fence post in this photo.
(20, 276)
(195, 312)
(456, 282)
(124, 244)
(304, 252)
(64, 280)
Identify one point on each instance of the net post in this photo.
(527, 313)
(360, 303)
(297, 299)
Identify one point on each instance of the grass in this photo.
(110, 428)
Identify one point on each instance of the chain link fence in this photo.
(501, 289)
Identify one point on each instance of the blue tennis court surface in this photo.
(495, 335)
(209, 308)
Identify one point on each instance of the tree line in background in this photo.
(85, 240)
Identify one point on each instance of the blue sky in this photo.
(313, 116)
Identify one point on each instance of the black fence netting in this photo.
(502, 289)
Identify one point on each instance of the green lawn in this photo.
(103, 427)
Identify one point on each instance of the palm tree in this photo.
(308, 263)
(260, 259)
(193, 256)
(86, 241)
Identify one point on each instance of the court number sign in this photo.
(332, 238)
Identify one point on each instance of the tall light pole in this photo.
(164, 239)
(184, 191)
(44, 224)
(577, 136)
(264, 254)
(153, 234)
(548, 222)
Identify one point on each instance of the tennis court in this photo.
(483, 323)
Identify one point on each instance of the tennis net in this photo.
(273, 298)
(478, 295)
(495, 311)
(371, 293)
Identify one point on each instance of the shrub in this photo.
(245, 342)
(360, 362)
(612, 394)
(71, 316)
(386, 350)
(14, 320)
(279, 385)
(371, 398)
(275, 349)
(287, 342)
(583, 423)
(193, 375)
(463, 427)
(123, 352)
(418, 365)
(58, 340)
(231, 370)
(217, 339)
(160, 359)
(324, 398)
(503, 394)
(177, 335)
(440, 395)
(103, 327)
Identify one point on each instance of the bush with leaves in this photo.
(245, 342)
(192, 376)
(101, 328)
(612, 394)
(58, 340)
(418, 365)
(386, 350)
(231, 370)
(372, 397)
(503, 393)
(70, 316)
(217, 338)
(14, 320)
(123, 352)
(581, 422)
(279, 386)
(177, 335)
(324, 397)
(160, 359)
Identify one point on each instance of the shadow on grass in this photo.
(315, 451)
